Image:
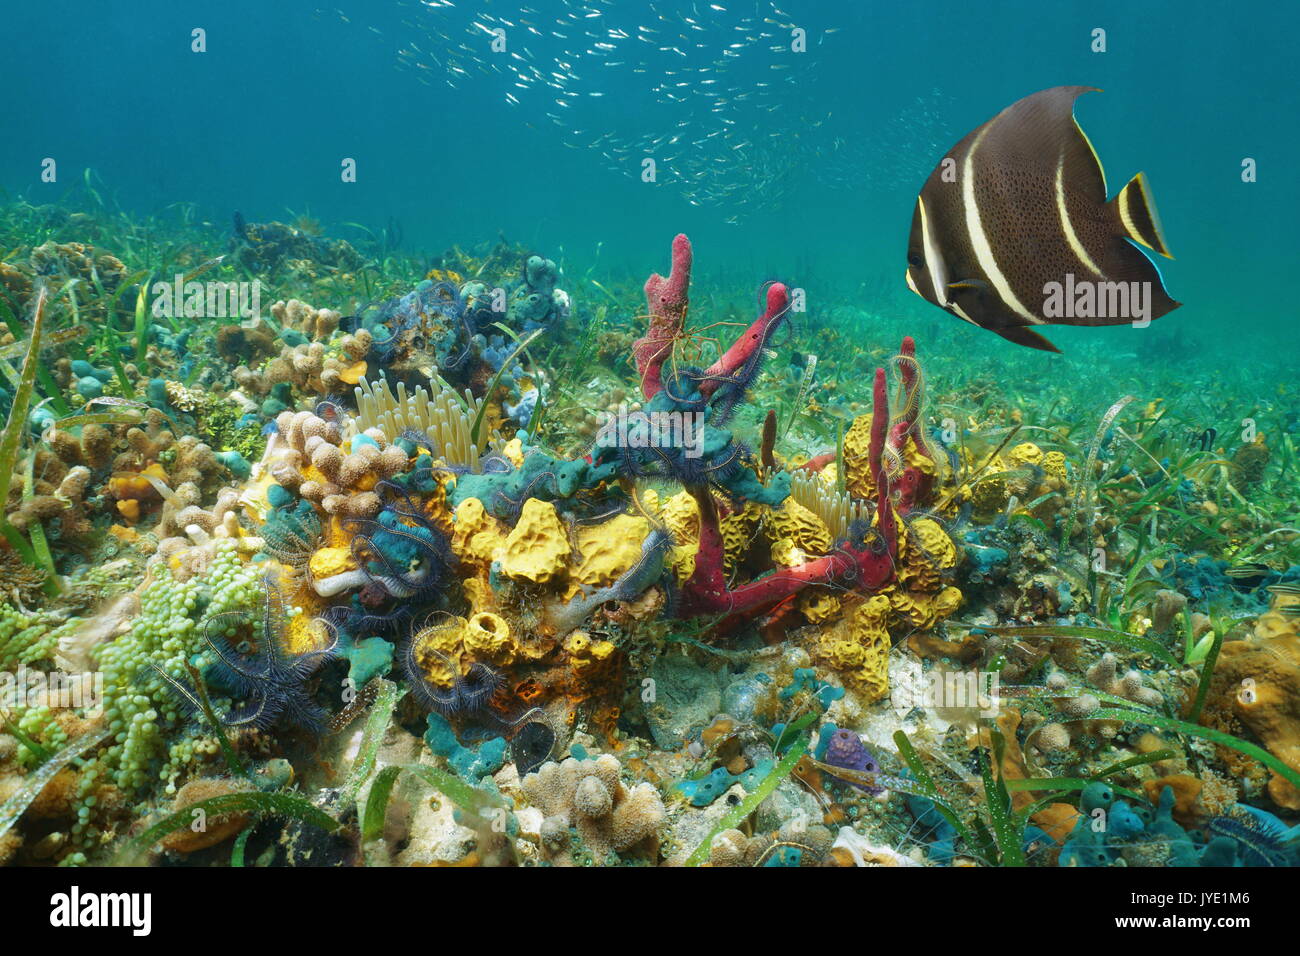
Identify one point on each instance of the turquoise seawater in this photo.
(808, 170)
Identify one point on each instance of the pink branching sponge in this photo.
(667, 301)
(906, 440)
(865, 560)
(744, 352)
(864, 565)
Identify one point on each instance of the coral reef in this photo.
(470, 571)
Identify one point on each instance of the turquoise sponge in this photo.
(372, 657)
(473, 765)
(705, 790)
(805, 679)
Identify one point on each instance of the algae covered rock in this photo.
(686, 697)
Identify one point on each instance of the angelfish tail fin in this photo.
(1137, 214)
(1023, 335)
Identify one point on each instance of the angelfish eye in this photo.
(913, 259)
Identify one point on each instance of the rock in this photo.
(686, 698)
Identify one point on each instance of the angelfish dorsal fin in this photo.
(1137, 214)
(1039, 135)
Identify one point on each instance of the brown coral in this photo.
(1257, 682)
(318, 324)
(589, 796)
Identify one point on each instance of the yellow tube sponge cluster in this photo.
(608, 549)
(923, 610)
(537, 549)
(791, 533)
(1053, 464)
(796, 534)
(739, 530)
(927, 555)
(487, 637)
(590, 658)
(327, 562)
(857, 459)
(990, 492)
(304, 634)
(477, 538)
(1026, 453)
(447, 649)
(857, 647)
(818, 607)
(436, 651)
(681, 516)
(858, 479)
(1025, 472)
(513, 451)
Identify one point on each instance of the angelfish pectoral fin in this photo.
(1022, 335)
(968, 284)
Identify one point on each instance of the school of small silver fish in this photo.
(712, 92)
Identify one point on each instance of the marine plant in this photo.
(37, 552)
(264, 671)
(286, 806)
